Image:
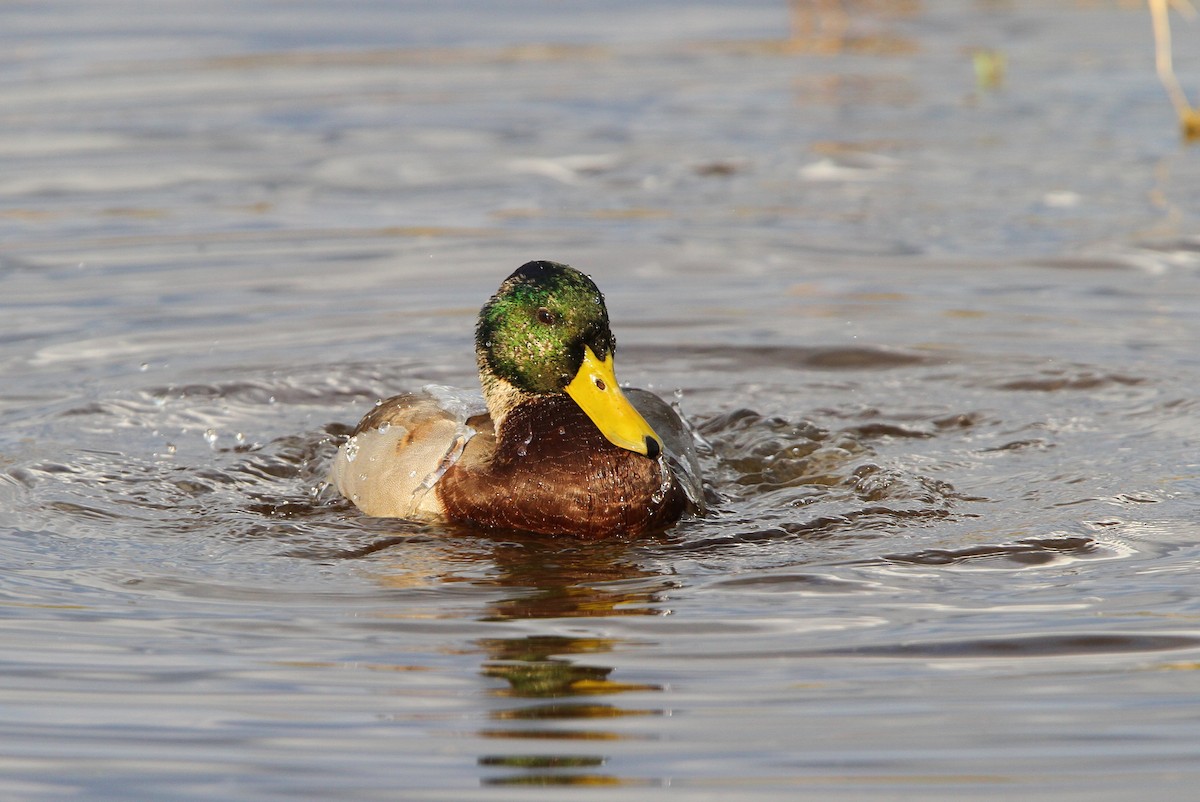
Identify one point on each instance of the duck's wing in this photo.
(401, 448)
(679, 441)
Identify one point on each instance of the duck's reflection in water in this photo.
(562, 695)
(554, 698)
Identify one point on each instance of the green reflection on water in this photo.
(550, 581)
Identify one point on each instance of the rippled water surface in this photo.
(937, 328)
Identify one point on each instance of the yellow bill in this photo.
(596, 391)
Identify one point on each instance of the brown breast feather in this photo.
(553, 472)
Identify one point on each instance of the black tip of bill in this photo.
(653, 449)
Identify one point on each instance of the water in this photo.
(940, 337)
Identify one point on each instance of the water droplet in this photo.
(241, 438)
(383, 427)
(351, 448)
(145, 366)
(271, 399)
(171, 448)
(378, 402)
(562, 431)
(522, 451)
(210, 437)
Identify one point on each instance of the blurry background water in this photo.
(924, 274)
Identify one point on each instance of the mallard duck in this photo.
(555, 447)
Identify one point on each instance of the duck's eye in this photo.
(546, 317)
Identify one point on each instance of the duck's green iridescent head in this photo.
(545, 331)
(532, 332)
